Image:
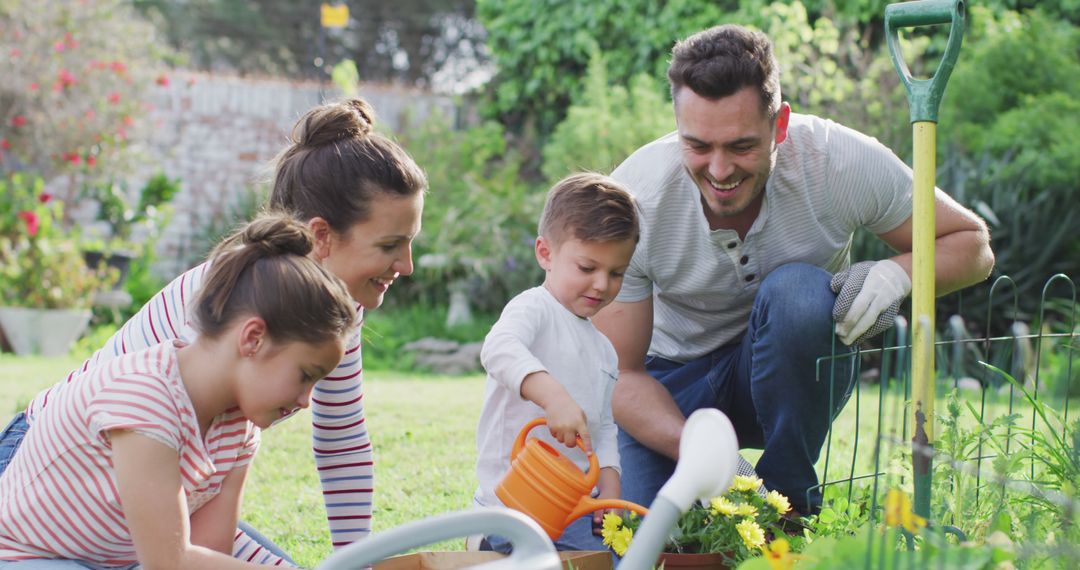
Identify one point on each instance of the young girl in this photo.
(362, 196)
(143, 459)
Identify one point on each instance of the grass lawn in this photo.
(423, 430)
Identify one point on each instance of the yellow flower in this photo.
(722, 506)
(621, 541)
(612, 522)
(898, 512)
(778, 502)
(751, 533)
(615, 534)
(778, 555)
(744, 483)
(745, 510)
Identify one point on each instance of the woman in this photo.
(362, 196)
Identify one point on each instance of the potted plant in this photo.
(738, 525)
(122, 218)
(46, 288)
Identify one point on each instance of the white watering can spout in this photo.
(708, 458)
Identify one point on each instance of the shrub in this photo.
(479, 218)
(76, 76)
(610, 121)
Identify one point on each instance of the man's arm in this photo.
(641, 405)
(962, 248)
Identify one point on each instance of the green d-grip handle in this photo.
(924, 95)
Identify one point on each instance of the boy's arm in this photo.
(565, 418)
(214, 525)
(155, 508)
(610, 487)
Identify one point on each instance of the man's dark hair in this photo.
(722, 60)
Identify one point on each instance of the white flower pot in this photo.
(48, 332)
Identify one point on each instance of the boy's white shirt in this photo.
(536, 333)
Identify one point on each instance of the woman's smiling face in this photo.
(373, 253)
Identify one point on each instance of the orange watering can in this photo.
(551, 489)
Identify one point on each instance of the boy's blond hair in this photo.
(589, 207)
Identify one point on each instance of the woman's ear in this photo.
(543, 253)
(321, 229)
(252, 336)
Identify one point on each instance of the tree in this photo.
(76, 75)
(414, 42)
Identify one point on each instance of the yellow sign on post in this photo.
(335, 16)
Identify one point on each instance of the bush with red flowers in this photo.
(77, 77)
(41, 265)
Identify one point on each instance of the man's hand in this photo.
(868, 297)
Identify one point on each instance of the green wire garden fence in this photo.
(1006, 460)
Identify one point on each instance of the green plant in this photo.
(76, 75)
(392, 326)
(609, 120)
(479, 219)
(122, 217)
(738, 524)
(41, 265)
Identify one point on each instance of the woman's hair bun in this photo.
(332, 122)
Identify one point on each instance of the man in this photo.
(747, 211)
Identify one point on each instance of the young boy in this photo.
(545, 358)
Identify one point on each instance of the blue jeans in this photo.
(769, 383)
(577, 536)
(11, 438)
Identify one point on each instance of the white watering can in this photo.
(708, 455)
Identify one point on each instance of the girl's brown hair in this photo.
(263, 269)
(336, 164)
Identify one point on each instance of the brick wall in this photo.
(217, 133)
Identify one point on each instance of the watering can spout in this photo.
(551, 489)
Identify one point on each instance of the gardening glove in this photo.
(868, 296)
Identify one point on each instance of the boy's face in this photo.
(584, 276)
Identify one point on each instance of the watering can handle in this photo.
(593, 474)
(924, 95)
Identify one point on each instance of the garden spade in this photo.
(924, 97)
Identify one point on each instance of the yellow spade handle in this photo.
(922, 279)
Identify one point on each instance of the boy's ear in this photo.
(252, 336)
(543, 253)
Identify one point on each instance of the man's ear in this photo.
(543, 253)
(252, 336)
(321, 229)
(782, 118)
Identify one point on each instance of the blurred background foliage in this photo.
(552, 86)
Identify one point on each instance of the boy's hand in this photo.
(608, 486)
(567, 422)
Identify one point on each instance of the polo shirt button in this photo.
(744, 260)
(749, 278)
(731, 245)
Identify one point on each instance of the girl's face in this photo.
(373, 253)
(281, 377)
